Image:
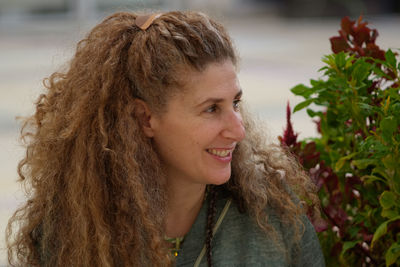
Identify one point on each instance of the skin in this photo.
(195, 139)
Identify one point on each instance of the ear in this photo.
(144, 115)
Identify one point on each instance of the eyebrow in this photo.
(218, 100)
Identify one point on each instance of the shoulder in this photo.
(241, 242)
(308, 251)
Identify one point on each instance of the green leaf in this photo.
(381, 171)
(392, 254)
(312, 113)
(363, 163)
(303, 104)
(388, 125)
(371, 179)
(324, 68)
(348, 245)
(315, 83)
(373, 145)
(387, 199)
(390, 58)
(339, 164)
(361, 71)
(353, 231)
(329, 59)
(396, 185)
(349, 62)
(301, 90)
(389, 162)
(390, 214)
(367, 108)
(381, 73)
(386, 106)
(382, 229)
(340, 60)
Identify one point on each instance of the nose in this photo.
(234, 127)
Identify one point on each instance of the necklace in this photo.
(176, 241)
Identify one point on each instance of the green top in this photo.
(240, 242)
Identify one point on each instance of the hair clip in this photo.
(143, 22)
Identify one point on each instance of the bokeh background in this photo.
(280, 42)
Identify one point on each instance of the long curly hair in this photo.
(95, 187)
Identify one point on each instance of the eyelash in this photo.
(236, 104)
(213, 108)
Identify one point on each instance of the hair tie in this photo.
(143, 22)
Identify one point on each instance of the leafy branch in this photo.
(355, 160)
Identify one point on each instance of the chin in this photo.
(220, 180)
(221, 183)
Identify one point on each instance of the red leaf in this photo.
(374, 51)
(337, 214)
(362, 35)
(318, 124)
(336, 249)
(347, 25)
(359, 50)
(359, 20)
(289, 137)
(338, 44)
(310, 155)
(330, 178)
(357, 39)
(367, 237)
(315, 175)
(373, 87)
(336, 198)
(320, 225)
(344, 35)
(374, 35)
(350, 183)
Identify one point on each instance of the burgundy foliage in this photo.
(357, 38)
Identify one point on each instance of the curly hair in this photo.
(96, 189)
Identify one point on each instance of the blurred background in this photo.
(280, 42)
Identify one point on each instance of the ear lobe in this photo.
(143, 114)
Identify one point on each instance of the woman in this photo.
(139, 154)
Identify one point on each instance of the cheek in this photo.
(174, 139)
(186, 137)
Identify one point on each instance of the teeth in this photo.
(219, 153)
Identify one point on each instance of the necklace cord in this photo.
(217, 224)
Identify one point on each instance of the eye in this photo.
(236, 104)
(211, 109)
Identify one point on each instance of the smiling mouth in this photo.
(219, 152)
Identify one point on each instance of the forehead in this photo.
(216, 80)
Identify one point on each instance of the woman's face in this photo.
(197, 134)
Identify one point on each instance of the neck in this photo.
(184, 203)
